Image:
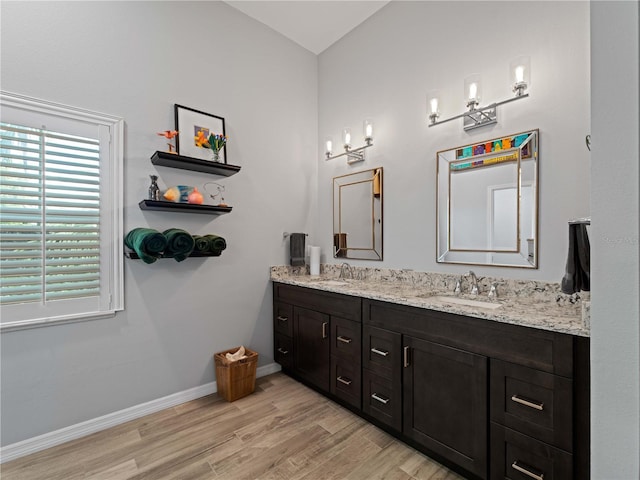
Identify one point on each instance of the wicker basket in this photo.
(236, 379)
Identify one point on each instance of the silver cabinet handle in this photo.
(530, 404)
(382, 353)
(282, 319)
(344, 339)
(324, 329)
(406, 357)
(284, 352)
(344, 380)
(528, 473)
(380, 399)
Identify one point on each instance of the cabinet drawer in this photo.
(346, 338)
(346, 380)
(283, 318)
(283, 351)
(535, 403)
(515, 456)
(382, 399)
(382, 352)
(344, 306)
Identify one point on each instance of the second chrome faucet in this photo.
(473, 289)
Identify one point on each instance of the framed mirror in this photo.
(487, 202)
(357, 215)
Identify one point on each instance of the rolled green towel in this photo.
(147, 243)
(179, 244)
(201, 244)
(211, 244)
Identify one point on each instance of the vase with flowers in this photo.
(216, 142)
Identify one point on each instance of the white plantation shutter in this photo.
(60, 225)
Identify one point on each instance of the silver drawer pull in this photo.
(324, 329)
(284, 352)
(282, 319)
(344, 380)
(382, 353)
(530, 404)
(344, 339)
(380, 399)
(527, 472)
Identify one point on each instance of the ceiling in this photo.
(313, 24)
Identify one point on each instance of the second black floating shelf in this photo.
(162, 206)
(174, 160)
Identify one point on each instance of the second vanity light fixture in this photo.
(476, 116)
(353, 154)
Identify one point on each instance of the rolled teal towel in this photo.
(179, 244)
(211, 244)
(147, 243)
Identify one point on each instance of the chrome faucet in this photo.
(345, 267)
(474, 282)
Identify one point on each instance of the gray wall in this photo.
(135, 60)
(615, 241)
(383, 71)
(125, 59)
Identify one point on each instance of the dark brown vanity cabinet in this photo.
(491, 400)
(445, 401)
(321, 333)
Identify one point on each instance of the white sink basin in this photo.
(332, 283)
(467, 302)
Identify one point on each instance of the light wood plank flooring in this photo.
(284, 431)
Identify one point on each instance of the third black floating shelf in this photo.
(174, 160)
(162, 206)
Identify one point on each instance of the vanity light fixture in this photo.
(477, 116)
(353, 154)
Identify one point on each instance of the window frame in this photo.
(111, 208)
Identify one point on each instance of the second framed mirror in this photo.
(357, 215)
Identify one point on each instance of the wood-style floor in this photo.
(283, 431)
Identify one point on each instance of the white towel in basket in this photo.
(239, 355)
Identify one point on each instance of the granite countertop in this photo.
(530, 304)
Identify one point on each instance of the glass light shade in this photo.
(368, 130)
(520, 73)
(433, 102)
(328, 146)
(346, 138)
(472, 89)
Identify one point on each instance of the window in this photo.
(60, 213)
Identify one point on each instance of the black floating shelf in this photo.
(134, 256)
(162, 206)
(173, 160)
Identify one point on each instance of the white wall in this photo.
(615, 241)
(136, 60)
(383, 71)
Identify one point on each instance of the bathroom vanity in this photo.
(489, 396)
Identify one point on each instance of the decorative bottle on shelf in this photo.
(154, 191)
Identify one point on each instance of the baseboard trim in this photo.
(57, 437)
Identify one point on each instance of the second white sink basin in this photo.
(467, 302)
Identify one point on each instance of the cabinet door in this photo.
(311, 346)
(445, 402)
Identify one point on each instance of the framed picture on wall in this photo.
(195, 127)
